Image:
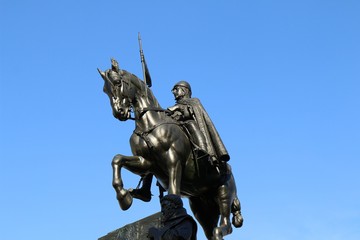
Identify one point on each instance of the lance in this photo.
(146, 74)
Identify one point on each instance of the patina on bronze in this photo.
(162, 148)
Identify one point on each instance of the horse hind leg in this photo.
(224, 202)
(228, 202)
(206, 213)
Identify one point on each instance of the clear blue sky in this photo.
(280, 79)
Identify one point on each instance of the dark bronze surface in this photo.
(176, 223)
(138, 230)
(162, 148)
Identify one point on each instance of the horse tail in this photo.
(237, 219)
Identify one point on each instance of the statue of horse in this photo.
(161, 147)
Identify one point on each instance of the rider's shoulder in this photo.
(190, 101)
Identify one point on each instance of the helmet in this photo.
(183, 84)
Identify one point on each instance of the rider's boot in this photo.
(198, 138)
(200, 149)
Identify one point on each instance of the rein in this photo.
(142, 111)
(144, 134)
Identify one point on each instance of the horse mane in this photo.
(141, 86)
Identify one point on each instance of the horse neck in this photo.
(145, 108)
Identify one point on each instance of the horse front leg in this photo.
(175, 172)
(135, 164)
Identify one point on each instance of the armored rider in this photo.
(192, 114)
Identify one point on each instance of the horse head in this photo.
(120, 90)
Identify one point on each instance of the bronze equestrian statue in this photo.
(162, 148)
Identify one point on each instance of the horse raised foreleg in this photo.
(135, 164)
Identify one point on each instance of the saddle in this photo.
(204, 163)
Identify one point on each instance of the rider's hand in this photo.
(177, 115)
(173, 108)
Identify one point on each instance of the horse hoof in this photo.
(237, 220)
(217, 234)
(125, 199)
(141, 194)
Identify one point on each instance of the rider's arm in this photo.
(181, 112)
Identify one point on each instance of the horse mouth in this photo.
(122, 115)
(123, 119)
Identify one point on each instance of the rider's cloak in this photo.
(214, 144)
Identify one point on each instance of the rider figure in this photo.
(192, 114)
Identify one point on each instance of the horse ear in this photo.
(102, 74)
(115, 65)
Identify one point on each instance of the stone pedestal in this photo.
(135, 231)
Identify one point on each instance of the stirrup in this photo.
(200, 153)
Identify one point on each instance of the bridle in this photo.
(122, 94)
(119, 93)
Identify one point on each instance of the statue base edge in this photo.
(135, 231)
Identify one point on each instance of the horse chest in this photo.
(141, 145)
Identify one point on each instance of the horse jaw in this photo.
(121, 116)
(119, 112)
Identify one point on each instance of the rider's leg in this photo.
(201, 150)
(197, 135)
